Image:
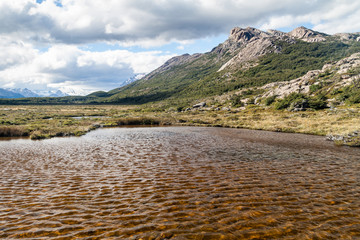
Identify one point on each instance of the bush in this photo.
(350, 94)
(236, 101)
(269, 100)
(315, 87)
(299, 100)
(353, 99)
(318, 102)
(292, 98)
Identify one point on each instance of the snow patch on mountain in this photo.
(133, 79)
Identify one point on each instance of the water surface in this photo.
(179, 183)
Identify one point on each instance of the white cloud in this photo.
(13, 52)
(64, 25)
(149, 23)
(63, 66)
(331, 17)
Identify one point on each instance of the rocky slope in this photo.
(249, 44)
(307, 35)
(340, 78)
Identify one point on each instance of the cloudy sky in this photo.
(90, 45)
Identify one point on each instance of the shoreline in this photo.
(40, 122)
(337, 139)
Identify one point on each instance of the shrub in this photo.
(269, 100)
(350, 94)
(299, 100)
(318, 102)
(315, 87)
(236, 101)
(251, 100)
(288, 100)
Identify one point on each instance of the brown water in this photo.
(179, 183)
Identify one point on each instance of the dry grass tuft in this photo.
(13, 131)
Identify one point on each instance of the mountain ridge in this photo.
(243, 49)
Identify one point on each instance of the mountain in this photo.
(27, 93)
(9, 94)
(24, 92)
(249, 59)
(50, 93)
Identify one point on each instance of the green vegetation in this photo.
(301, 101)
(349, 94)
(269, 100)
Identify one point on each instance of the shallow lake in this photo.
(179, 183)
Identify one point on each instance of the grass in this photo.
(38, 122)
(13, 131)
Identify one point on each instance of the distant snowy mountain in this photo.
(24, 92)
(75, 91)
(50, 93)
(9, 94)
(133, 79)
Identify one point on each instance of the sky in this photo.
(91, 45)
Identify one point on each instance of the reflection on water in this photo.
(179, 183)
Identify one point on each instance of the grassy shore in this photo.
(38, 122)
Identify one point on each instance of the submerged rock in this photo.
(351, 139)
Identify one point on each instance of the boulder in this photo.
(199, 105)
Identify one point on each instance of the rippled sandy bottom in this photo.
(179, 183)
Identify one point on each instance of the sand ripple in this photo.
(179, 183)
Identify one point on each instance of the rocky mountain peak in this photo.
(252, 43)
(307, 35)
(245, 35)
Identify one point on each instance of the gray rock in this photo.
(307, 35)
(199, 105)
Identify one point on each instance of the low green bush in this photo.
(299, 100)
(235, 101)
(269, 100)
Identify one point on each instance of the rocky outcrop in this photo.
(344, 65)
(282, 89)
(245, 35)
(254, 43)
(307, 35)
(302, 84)
(252, 51)
(199, 105)
(348, 36)
(276, 33)
(239, 38)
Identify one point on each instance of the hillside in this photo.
(249, 58)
